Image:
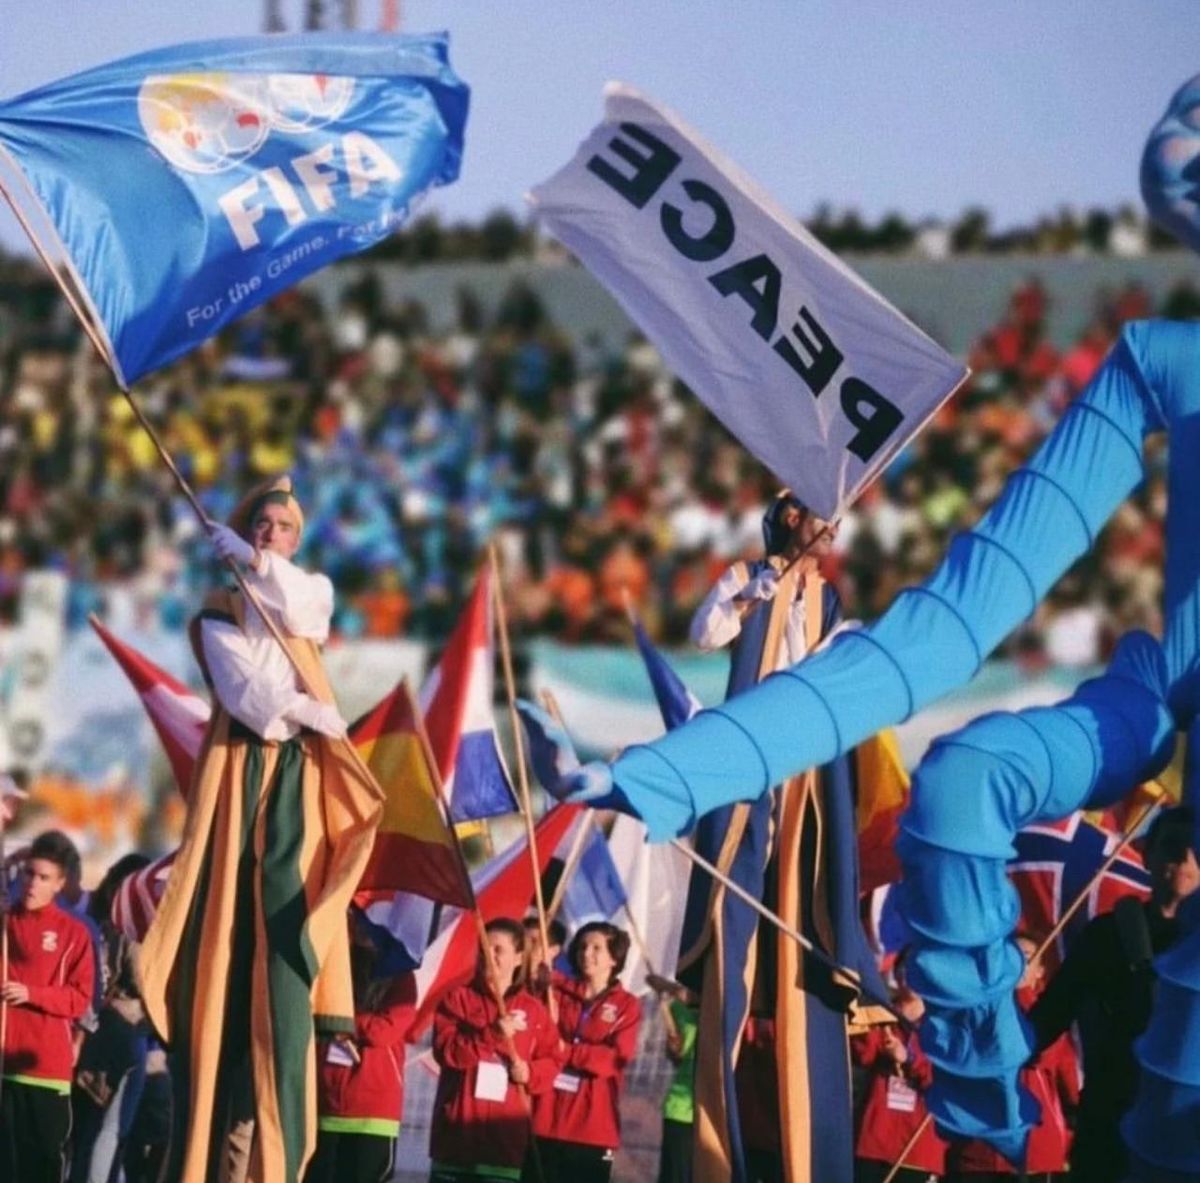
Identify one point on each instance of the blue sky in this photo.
(924, 107)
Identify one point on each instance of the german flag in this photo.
(414, 848)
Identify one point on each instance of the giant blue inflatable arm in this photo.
(935, 636)
(971, 794)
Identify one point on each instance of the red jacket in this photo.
(468, 1130)
(50, 951)
(601, 1036)
(368, 1098)
(894, 1104)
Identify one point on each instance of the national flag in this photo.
(457, 702)
(594, 891)
(179, 715)
(655, 878)
(818, 376)
(137, 897)
(1055, 861)
(676, 703)
(883, 787)
(184, 186)
(415, 849)
(503, 887)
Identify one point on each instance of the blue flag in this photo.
(595, 890)
(676, 703)
(187, 185)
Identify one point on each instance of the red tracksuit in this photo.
(369, 1097)
(50, 952)
(601, 1039)
(894, 1105)
(469, 1131)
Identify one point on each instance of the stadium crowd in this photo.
(592, 466)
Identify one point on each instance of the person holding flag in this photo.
(248, 957)
(578, 1124)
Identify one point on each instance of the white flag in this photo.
(818, 376)
(656, 883)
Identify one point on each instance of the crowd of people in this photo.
(594, 469)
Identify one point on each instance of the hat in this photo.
(273, 492)
(776, 535)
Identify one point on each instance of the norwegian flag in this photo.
(457, 703)
(178, 715)
(1056, 861)
(138, 896)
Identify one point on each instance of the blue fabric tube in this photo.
(933, 637)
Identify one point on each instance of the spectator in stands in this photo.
(47, 984)
(496, 1047)
(578, 1124)
(361, 1078)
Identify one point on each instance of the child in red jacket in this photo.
(898, 1076)
(578, 1123)
(361, 1080)
(44, 987)
(492, 1062)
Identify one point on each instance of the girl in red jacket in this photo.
(361, 1079)
(578, 1123)
(492, 1063)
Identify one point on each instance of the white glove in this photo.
(319, 716)
(229, 544)
(762, 587)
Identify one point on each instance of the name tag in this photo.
(567, 1082)
(491, 1081)
(900, 1097)
(337, 1054)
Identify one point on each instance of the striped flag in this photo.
(137, 898)
(676, 703)
(457, 702)
(179, 716)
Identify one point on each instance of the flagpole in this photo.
(1127, 836)
(522, 774)
(90, 331)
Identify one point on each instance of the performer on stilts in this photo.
(247, 960)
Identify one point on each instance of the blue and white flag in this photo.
(595, 890)
(184, 186)
(816, 373)
(676, 702)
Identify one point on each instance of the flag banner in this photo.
(179, 716)
(187, 185)
(136, 899)
(408, 930)
(414, 849)
(594, 890)
(676, 703)
(457, 702)
(883, 787)
(817, 375)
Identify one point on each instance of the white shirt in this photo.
(252, 676)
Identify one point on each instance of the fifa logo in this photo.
(212, 123)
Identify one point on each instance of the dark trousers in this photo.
(35, 1124)
(675, 1160)
(570, 1162)
(363, 1158)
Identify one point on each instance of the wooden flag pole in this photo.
(1127, 836)
(510, 686)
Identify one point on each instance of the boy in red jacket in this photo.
(45, 985)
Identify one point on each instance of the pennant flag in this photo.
(1055, 861)
(457, 702)
(136, 899)
(187, 185)
(883, 786)
(502, 887)
(179, 716)
(595, 890)
(415, 850)
(816, 374)
(676, 702)
(655, 878)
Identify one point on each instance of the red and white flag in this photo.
(137, 898)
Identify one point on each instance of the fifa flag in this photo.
(457, 703)
(185, 186)
(817, 375)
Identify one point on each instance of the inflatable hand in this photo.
(557, 766)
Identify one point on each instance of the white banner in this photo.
(817, 375)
